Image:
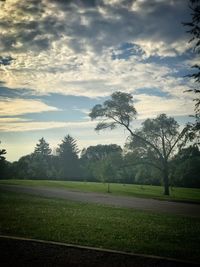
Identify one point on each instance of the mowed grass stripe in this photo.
(100, 226)
(145, 191)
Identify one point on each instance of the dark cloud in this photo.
(30, 7)
(6, 60)
(70, 4)
(16, 93)
(152, 92)
(154, 20)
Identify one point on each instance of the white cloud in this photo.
(9, 125)
(17, 106)
(9, 120)
(163, 49)
(157, 105)
(86, 75)
(30, 126)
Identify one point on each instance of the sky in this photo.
(58, 58)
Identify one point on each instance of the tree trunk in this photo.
(166, 180)
(108, 187)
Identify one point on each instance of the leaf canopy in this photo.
(117, 110)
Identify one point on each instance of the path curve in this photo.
(177, 208)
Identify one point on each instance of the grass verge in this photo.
(145, 191)
(100, 226)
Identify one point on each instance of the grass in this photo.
(100, 226)
(146, 191)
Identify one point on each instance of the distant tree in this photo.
(34, 166)
(100, 162)
(2, 162)
(100, 152)
(41, 160)
(2, 154)
(42, 148)
(157, 139)
(68, 155)
(194, 30)
(186, 167)
(27, 168)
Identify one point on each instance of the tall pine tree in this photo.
(42, 148)
(41, 160)
(68, 155)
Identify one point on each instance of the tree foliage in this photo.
(42, 148)
(68, 155)
(155, 142)
(100, 152)
(2, 154)
(100, 162)
(107, 163)
(161, 132)
(186, 167)
(2, 161)
(118, 110)
(194, 30)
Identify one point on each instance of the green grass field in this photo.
(100, 226)
(146, 191)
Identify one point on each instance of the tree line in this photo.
(158, 146)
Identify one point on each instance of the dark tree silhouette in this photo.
(42, 148)
(68, 154)
(2, 153)
(100, 152)
(186, 167)
(159, 137)
(41, 160)
(2, 162)
(163, 133)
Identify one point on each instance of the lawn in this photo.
(146, 191)
(100, 226)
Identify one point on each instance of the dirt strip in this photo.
(186, 209)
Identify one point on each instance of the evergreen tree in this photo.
(41, 160)
(42, 148)
(69, 161)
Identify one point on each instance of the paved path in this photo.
(25, 252)
(177, 208)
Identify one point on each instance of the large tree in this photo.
(163, 133)
(194, 30)
(157, 139)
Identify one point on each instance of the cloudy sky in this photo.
(58, 58)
